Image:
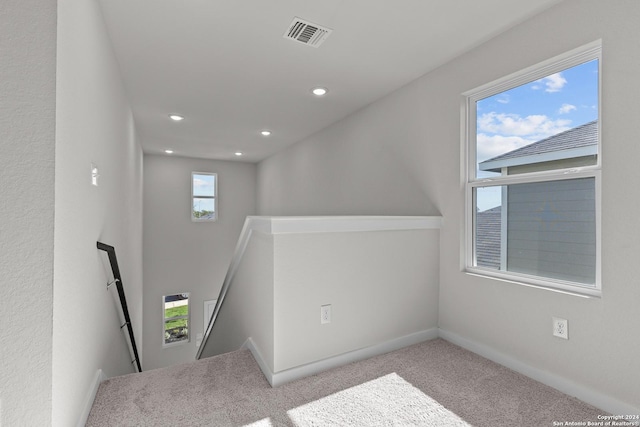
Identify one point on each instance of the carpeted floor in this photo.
(434, 383)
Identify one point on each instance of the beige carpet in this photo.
(385, 400)
(429, 384)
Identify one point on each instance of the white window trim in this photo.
(468, 121)
(215, 197)
(188, 317)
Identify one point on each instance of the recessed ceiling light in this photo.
(168, 151)
(319, 91)
(176, 117)
(237, 153)
(266, 132)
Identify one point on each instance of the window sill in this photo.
(175, 344)
(547, 285)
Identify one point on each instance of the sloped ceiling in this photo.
(225, 66)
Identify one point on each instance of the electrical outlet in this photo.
(560, 328)
(325, 314)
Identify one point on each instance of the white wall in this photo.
(185, 256)
(93, 124)
(352, 167)
(381, 285)
(371, 270)
(416, 130)
(27, 138)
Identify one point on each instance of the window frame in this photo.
(168, 319)
(586, 53)
(214, 197)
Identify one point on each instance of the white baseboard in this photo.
(91, 395)
(292, 374)
(587, 395)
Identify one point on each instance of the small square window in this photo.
(175, 316)
(203, 196)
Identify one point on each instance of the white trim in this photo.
(598, 201)
(342, 224)
(278, 378)
(470, 180)
(91, 396)
(547, 284)
(214, 197)
(590, 150)
(587, 395)
(553, 65)
(543, 176)
(504, 230)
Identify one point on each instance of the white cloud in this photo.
(536, 126)
(203, 186)
(495, 145)
(566, 108)
(500, 133)
(504, 99)
(554, 82)
(197, 182)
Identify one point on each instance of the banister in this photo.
(117, 280)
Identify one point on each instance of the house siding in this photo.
(551, 229)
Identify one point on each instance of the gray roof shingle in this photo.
(488, 231)
(585, 135)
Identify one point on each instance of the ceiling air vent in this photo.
(307, 32)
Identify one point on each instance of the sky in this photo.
(531, 112)
(203, 185)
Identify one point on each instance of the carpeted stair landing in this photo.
(434, 383)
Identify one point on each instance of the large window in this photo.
(533, 175)
(203, 196)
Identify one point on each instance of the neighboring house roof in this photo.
(488, 246)
(577, 142)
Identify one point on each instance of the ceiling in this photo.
(225, 66)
